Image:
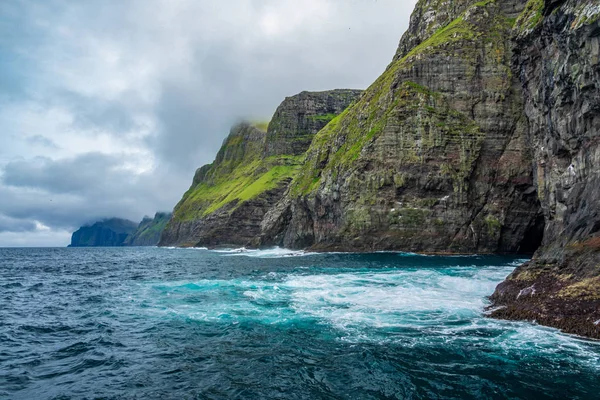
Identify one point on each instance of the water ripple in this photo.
(173, 323)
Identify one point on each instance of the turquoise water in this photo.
(193, 323)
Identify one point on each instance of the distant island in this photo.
(118, 232)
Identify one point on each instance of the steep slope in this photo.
(149, 230)
(558, 61)
(433, 157)
(227, 200)
(106, 233)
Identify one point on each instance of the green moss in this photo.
(493, 225)
(457, 30)
(262, 125)
(531, 16)
(586, 289)
(413, 217)
(324, 117)
(527, 275)
(426, 202)
(586, 14)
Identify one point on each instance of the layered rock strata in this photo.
(482, 136)
(557, 59)
(433, 157)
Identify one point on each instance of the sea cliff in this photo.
(481, 136)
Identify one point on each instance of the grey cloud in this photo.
(207, 65)
(8, 224)
(93, 113)
(42, 141)
(79, 175)
(67, 193)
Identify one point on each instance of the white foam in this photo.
(182, 248)
(436, 305)
(275, 252)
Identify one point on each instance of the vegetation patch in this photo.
(262, 125)
(493, 225)
(323, 118)
(531, 16)
(587, 289)
(339, 145)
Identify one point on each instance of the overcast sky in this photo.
(107, 107)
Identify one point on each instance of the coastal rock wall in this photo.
(481, 136)
(433, 157)
(558, 63)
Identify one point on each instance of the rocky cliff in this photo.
(149, 230)
(228, 199)
(433, 157)
(106, 233)
(557, 59)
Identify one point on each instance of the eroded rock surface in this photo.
(558, 63)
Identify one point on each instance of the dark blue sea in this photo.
(158, 323)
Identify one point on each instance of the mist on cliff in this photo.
(107, 108)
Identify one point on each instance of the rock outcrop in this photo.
(107, 233)
(149, 230)
(558, 63)
(228, 199)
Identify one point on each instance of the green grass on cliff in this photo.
(324, 117)
(339, 145)
(246, 181)
(262, 125)
(531, 16)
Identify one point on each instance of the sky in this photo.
(107, 107)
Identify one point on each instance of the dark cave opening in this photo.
(532, 239)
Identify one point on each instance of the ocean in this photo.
(165, 323)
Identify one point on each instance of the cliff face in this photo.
(149, 230)
(558, 62)
(107, 233)
(433, 157)
(228, 199)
